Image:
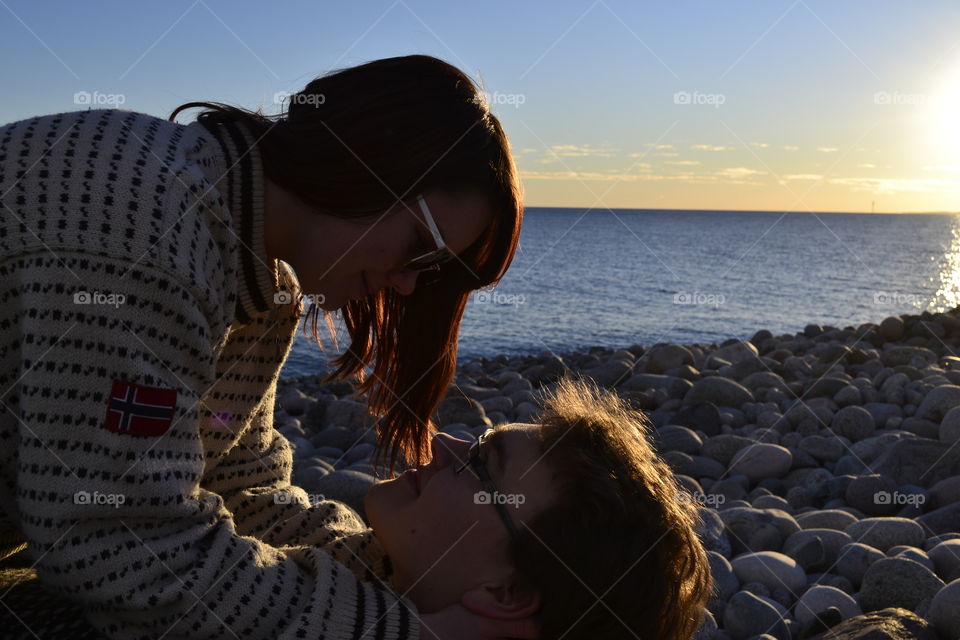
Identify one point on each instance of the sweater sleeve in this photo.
(114, 361)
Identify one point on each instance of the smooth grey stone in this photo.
(854, 423)
(722, 392)
(707, 629)
(703, 416)
(911, 553)
(712, 532)
(872, 494)
(677, 438)
(349, 414)
(725, 580)
(944, 611)
(329, 452)
(762, 461)
(747, 615)
(823, 448)
(854, 559)
(831, 541)
(771, 502)
(460, 409)
(836, 519)
(946, 559)
(346, 485)
(735, 351)
(308, 477)
(611, 373)
(819, 598)
(337, 437)
(361, 451)
(919, 461)
(665, 356)
(758, 529)
(949, 429)
(502, 404)
(897, 582)
(295, 402)
(882, 411)
(884, 533)
(943, 520)
(724, 446)
(770, 568)
(938, 402)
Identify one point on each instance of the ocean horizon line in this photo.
(772, 211)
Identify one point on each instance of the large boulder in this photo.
(722, 392)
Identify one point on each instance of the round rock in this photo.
(762, 461)
(770, 568)
(747, 615)
(820, 598)
(884, 533)
(949, 431)
(722, 392)
(944, 611)
(897, 582)
(854, 423)
(854, 559)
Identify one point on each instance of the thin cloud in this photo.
(827, 149)
(710, 147)
(739, 172)
(682, 162)
(894, 185)
(803, 176)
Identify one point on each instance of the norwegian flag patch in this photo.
(139, 410)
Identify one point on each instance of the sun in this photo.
(944, 120)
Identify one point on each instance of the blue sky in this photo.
(782, 105)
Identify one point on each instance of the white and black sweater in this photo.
(140, 346)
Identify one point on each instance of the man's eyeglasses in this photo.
(479, 466)
(431, 260)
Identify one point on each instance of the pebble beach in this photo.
(826, 463)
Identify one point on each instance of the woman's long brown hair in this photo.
(351, 144)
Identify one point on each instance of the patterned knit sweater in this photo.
(140, 346)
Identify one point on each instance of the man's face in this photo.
(442, 540)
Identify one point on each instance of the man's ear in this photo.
(502, 600)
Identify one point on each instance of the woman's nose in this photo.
(403, 282)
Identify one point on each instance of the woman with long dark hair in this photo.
(152, 278)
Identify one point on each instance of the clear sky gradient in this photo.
(783, 105)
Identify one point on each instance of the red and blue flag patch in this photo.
(139, 410)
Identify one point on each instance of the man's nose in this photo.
(446, 449)
(403, 282)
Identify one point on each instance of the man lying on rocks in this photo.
(574, 519)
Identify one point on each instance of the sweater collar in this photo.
(257, 277)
